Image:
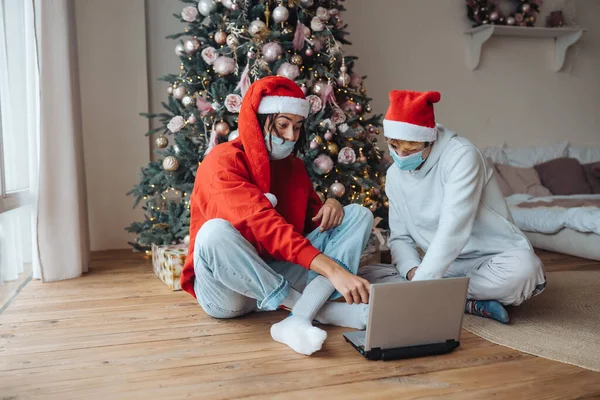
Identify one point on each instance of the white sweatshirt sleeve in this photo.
(401, 244)
(464, 177)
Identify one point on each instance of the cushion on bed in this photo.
(522, 180)
(563, 176)
(504, 187)
(592, 175)
(531, 156)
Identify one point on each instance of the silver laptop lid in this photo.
(405, 314)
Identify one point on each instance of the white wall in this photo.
(161, 51)
(111, 41)
(513, 97)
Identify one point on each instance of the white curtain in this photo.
(62, 222)
(43, 217)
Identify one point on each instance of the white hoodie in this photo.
(451, 208)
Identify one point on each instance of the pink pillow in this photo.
(563, 176)
(523, 180)
(504, 188)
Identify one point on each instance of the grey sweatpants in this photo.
(510, 277)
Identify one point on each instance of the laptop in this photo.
(412, 319)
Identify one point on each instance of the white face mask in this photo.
(277, 147)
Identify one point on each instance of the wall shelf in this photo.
(563, 39)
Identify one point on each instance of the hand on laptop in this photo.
(411, 273)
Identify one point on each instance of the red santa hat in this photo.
(270, 95)
(410, 116)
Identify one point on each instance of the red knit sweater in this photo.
(225, 188)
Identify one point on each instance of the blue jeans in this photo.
(233, 280)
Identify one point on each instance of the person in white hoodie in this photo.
(445, 199)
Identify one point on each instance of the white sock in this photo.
(299, 334)
(297, 331)
(343, 314)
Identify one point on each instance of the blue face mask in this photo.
(280, 148)
(408, 163)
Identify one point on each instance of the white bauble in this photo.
(207, 7)
(280, 14)
(256, 26)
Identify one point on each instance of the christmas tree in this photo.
(227, 45)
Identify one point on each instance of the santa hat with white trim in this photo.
(410, 116)
(270, 95)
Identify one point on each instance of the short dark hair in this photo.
(269, 121)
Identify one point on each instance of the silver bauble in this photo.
(207, 7)
(280, 14)
(337, 189)
(170, 163)
(179, 50)
(191, 45)
(256, 26)
(186, 100)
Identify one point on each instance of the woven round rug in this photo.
(561, 324)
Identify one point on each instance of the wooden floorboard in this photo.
(119, 333)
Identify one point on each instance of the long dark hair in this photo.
(268, 120)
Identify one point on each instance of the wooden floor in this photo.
(119, 333)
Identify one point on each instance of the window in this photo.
(19, 128)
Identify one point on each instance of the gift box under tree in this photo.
(167, 262)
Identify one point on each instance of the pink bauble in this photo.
(313, 145)
(372, 129)
(309, 52)
(222, 128)
(192, 119)
(358, 107)
(355, 80)
(319, 87)
(349, 106)
(271, 51)
(220, 37)
(224, 65)
(318, 44)
(191, 45)
(179, 92)
(170, 89)
(288, 70)
(323, 164)
(344, 79)
(328, 135)
(251, 54)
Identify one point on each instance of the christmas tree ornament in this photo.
(220, 37)
(179, 49)
(232, 41)
(358, 108)
(176, 124)
(271, 51)
(333, 148)
(337, 189)
(511, 21)
(189, 14)
(187, 100)
(233, 103)
(525, 8)
(179, 92)
(309, 52)
(280, 14)
(170, 164)
(368, 108)
(296, 59)
(251, 54)
(316, 24)
(170, 89)
(319, 87)
(343, 79)
(328, 135)
(347, 156)
(256, 26)
(315, 103)
(222, 128)
(207, 7)
(372, 129)
(229, 4)
(288, 70)
(349, 106)
(209, 55)
(355, 81)
(191, 46)
(186, 240)
(224, 65)
(161, 142)
(192, 119)
(322, 13)
(361, 158)
(317, 44)
(307, 3)
(233, 135)
(323, 164)
(304, 89)
(313, 145)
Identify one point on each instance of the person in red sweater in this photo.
(260, 236)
